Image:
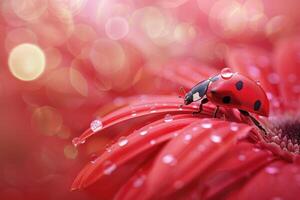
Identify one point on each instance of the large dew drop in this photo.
(109, 168)
(122, 141)
(168, 118)
(96, 125)
(226, 73)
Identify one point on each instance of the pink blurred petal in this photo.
(286, 62)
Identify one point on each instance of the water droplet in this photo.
(180, 107)
(77, 141)
(206, 123)
(144, 132)
(226, 73)
(153, 109)
(96, 125)
(133, 113)
(215, 138)
(168, 118)
(122, 141)
(108, 149)
(188, 137)
(95, 158)
(272, 170)
(152, 142)
(255, 149)
(234, 126)
(139, 182)
(195, 128)
(258, 83)
(169, 159)
(109, 167)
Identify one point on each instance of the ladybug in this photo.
(231, 90)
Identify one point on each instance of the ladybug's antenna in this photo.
(182, 91)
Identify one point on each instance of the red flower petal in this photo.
(237, 166)
(278, 180)
(169, 105)
(287, 60)
(196, 148)
(149, 137)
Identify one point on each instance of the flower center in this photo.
(285, 132)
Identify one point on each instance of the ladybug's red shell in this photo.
(239, 92)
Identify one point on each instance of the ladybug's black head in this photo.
(197, 92)
(188, 98)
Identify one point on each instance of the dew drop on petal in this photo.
(272, 170)
(187, 137)
(255, 149)
(215, 138)
(153, 109)
(95, 159)
(133, 113)
(234, 126)
(226, 73)
(258, 83)
(195, 128)
(152, 142)
(169, 159)
(109, 167)
(168, 118)
(139, 182)
(144, 132)
(180, 107)
(206, 123)
(96, 125)
(122, 141)
(77, 141)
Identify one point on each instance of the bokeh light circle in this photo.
(27, 62)
(116, 28)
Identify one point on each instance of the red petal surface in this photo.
(127, 148)
(185, 157)
(173, 106)
(278, 180)
(287, 60)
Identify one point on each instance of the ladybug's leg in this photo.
(216, 111)
(203, 101)
(245, 113)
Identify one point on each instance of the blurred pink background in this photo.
(65, 61)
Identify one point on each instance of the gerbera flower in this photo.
(163, 151)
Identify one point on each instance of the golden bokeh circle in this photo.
(26, 62)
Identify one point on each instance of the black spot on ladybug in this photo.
(239, 85)
(226, 99)
(257, 105)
